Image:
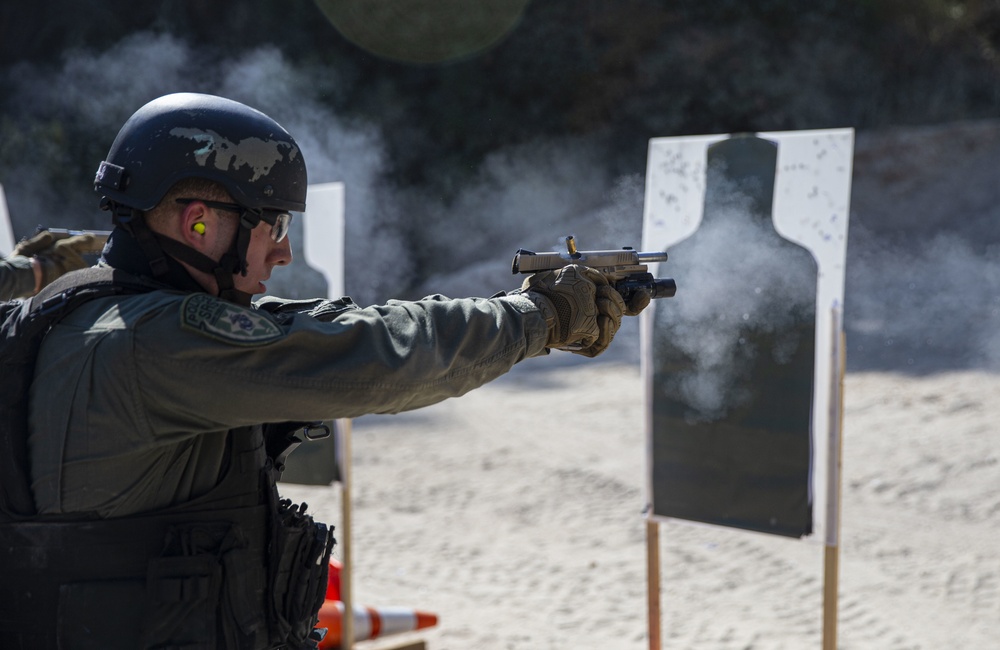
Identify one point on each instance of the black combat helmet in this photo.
(187, 135)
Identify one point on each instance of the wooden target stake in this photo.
(653, 588)
(344, 442)
(831, 552)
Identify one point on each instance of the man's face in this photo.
(263, 255)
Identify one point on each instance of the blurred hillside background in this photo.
(464, 130)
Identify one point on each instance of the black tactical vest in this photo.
(235, 568)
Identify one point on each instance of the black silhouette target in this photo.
(733, 359)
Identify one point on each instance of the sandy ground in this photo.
(515, 514)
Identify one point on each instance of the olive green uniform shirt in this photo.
(133, 396)
(17, 277)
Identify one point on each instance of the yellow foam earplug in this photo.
(199, 228)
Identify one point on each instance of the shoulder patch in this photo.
(227, 322)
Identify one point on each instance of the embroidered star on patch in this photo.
(227, 322)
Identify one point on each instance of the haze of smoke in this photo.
(523, 197)
(928, 306)
(90, 93)
(98, 91)
(335, 151)
(620, 221)
(919, 304)
(526, 189)
(734, 278)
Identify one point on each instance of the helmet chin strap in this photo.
(156, 247)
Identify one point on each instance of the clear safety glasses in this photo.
(278, 220)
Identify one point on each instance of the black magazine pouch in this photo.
(183, 600)
(299, 574)
(206, 591)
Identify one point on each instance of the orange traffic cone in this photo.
(333, 580)
(370, 622)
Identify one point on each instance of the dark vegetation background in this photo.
(595, 79)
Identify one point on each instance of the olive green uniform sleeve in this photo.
(17, 277)
(133, 396)
(385, 359)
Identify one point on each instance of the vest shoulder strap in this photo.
(23, 325)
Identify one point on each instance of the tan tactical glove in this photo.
(639, 301)
(58, 255)
(28, 247)
(583, 312)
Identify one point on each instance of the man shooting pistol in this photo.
(626, 269)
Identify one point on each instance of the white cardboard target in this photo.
(811, 208)
(323, 239)
(7, 241)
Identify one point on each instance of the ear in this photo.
(199, 227)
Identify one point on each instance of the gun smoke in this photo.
(739, 279)
(926, 302)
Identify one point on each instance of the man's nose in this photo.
(281, 252)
